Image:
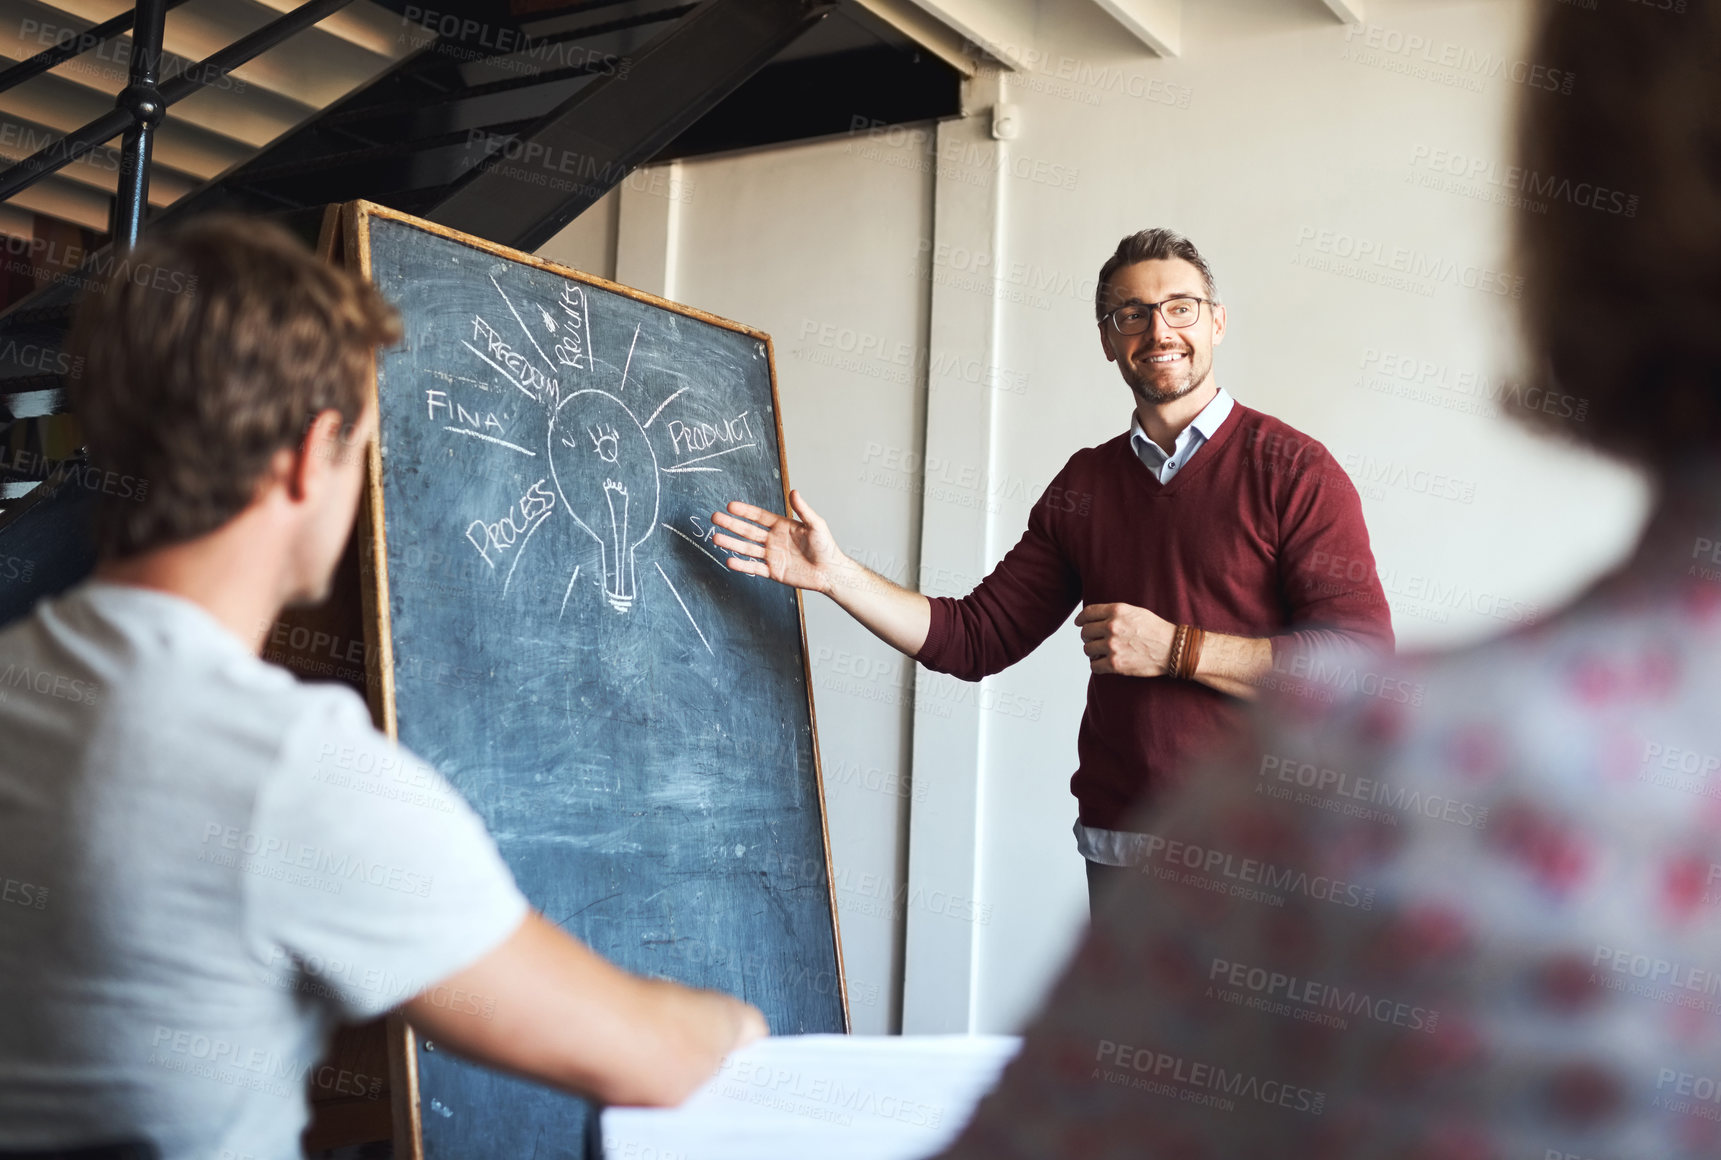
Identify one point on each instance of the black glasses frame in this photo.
(1151, 307)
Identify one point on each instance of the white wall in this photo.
(588, 242)
(1278, 141)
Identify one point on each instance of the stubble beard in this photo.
(1197, 374)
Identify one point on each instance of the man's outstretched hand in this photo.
(801, 553)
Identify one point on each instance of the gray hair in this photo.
(1149, 246)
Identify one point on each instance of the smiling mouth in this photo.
(1168, 357)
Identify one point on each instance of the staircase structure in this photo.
(503, 122)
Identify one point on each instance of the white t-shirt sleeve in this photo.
(382, 881)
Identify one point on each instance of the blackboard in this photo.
(557, 634)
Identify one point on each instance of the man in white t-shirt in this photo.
(205, 864)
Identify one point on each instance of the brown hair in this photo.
(1622, 275)
(1150, 246)
(211, 347)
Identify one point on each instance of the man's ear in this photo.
(1105, 343)
(1218, 324)
(315, 454)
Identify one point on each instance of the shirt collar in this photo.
(1211, 418)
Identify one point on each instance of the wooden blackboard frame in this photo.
(345, 240)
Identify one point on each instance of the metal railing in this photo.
(143, 103)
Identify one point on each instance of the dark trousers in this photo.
(1102, 880)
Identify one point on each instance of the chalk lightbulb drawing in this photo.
(606, 473)
(604, 465)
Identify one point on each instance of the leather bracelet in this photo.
(1173, 658)
(1190, 658)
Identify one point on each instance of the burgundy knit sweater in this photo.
(1260, 534)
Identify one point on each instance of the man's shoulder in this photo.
(1271, 435)
(281, 719)
(1285, 458)
(154, 675)
(1100, 457)
(1088, 474)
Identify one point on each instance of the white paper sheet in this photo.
(821, 1097)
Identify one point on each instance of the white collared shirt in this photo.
(1117, 847)
(1189, 440)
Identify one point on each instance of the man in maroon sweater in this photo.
(1213, 550)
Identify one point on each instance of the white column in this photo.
(949, 751)
(648, 235)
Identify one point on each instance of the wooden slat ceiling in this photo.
(210, 132)
(206, 133)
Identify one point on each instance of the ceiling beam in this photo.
(60, 197)
(99, 168)
(935, 36)
(17, 223)
(1349, 11)
(312, 69)
(369, 26)
(1156, 23)
(198, 145)
(1002, 29)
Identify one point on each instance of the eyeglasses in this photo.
(1137, 317)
